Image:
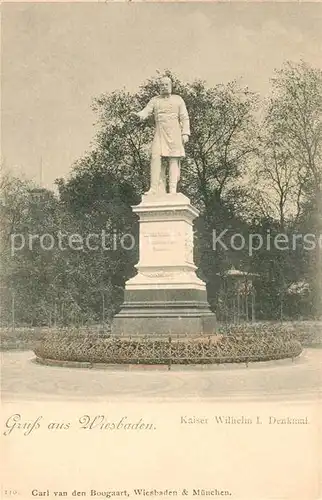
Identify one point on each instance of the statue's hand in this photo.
(134, 116)
(185, 139)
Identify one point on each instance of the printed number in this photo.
(10, 492)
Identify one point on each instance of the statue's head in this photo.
(165, 85)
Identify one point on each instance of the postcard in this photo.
(161, 229)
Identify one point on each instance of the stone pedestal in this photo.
(165, 297)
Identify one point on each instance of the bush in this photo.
(308, 333)
(26, 338)
(23, 339)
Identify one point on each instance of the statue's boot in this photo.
(151, 192)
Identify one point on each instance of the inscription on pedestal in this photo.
(160, 241)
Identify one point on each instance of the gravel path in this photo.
(23, 379)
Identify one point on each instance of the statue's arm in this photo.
(184, 118)
(147, 111)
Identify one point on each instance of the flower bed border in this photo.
(216, 349)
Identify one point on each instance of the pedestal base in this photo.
(166, 297)
(164, 312)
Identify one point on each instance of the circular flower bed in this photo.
(238, 347)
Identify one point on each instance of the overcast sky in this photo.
(57, 57)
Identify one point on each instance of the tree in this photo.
(93, 200)
(26, 213)
(276, 188)
(295, 119)
(295, 115)
(14, 202)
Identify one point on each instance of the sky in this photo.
(57, 57)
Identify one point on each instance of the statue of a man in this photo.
(172, 131)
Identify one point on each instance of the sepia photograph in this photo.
(161, 250)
